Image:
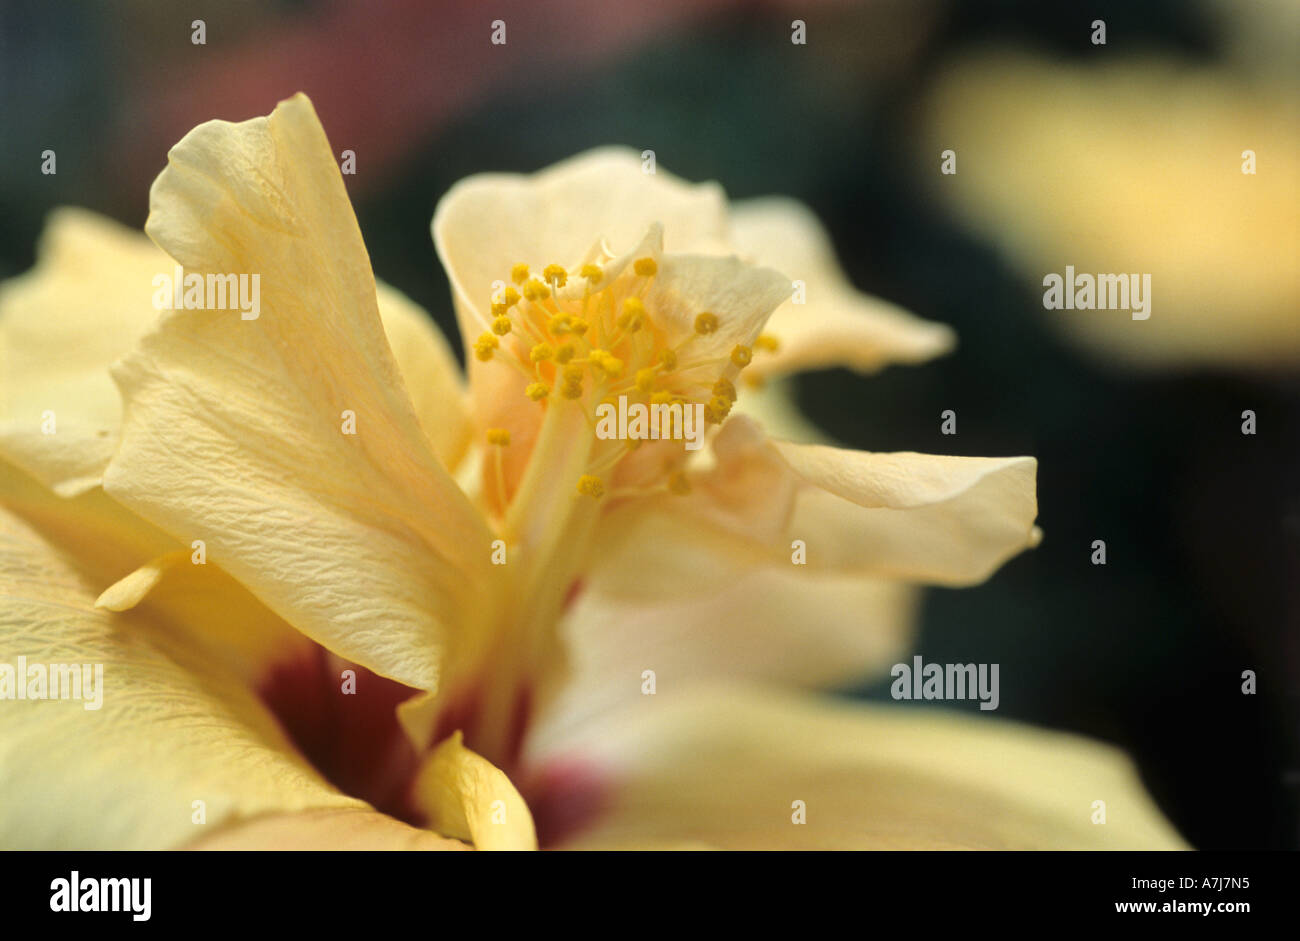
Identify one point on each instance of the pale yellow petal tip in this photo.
(467, 797)
(128, 592)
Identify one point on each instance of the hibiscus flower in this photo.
(344, 598)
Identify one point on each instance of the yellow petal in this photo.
(348, 829)
(140, 564)
(433, 377)
(489, 222)
(465, 796)
(740, 295)
(236, 432)
(724, 767)
(172, 728)
(835, 325)
(776, 623)
(62, 325)
(932, 518)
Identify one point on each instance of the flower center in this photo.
(589, 337)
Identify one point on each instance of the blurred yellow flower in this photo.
(1133, 165)
(361, 518)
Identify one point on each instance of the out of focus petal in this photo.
(725, 767)
(62, 325)
(832, 324)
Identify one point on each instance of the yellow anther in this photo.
(558, 325)
(706, 323)
(741, 355)
(767, 343)
(511, 297)
(519, 273)
(602, 360)
(678, 484)
(498, 436)
(535, 290)
(592, 273)
(501, 326)
(557, 273)
(645, 267)
(541, 352)
(645, 379)
(633, 315)
(590, 485)
(564, 353)
(500, 309)
(572, 387)
(725, 389)
(579, 326)
(717, 409)
(484, 346)
(662, 397)
(668, 360)
(537, 391)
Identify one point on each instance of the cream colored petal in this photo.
(931, 518)
(62, 325)
(465, 796)
(1047, 171)
(433, 377)
(489, 222)
(835, 325)
(773, 622)
(742, 296)
(724, 767)
(172, 727)
(236, 432)
(135, 563)
(315, 830)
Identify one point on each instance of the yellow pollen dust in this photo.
(645, 267)
(535, 290)
(541, 352)
(556, 274)
(767, 343)
(590, 485)
(592, 273)
(498, 436)
(537, 391)
(519, 274)
(706, 323)
(484, 346)
(633, 315)
(501, 326)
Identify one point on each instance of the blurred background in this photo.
(1119, 157)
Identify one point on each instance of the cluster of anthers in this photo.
(601, 343)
